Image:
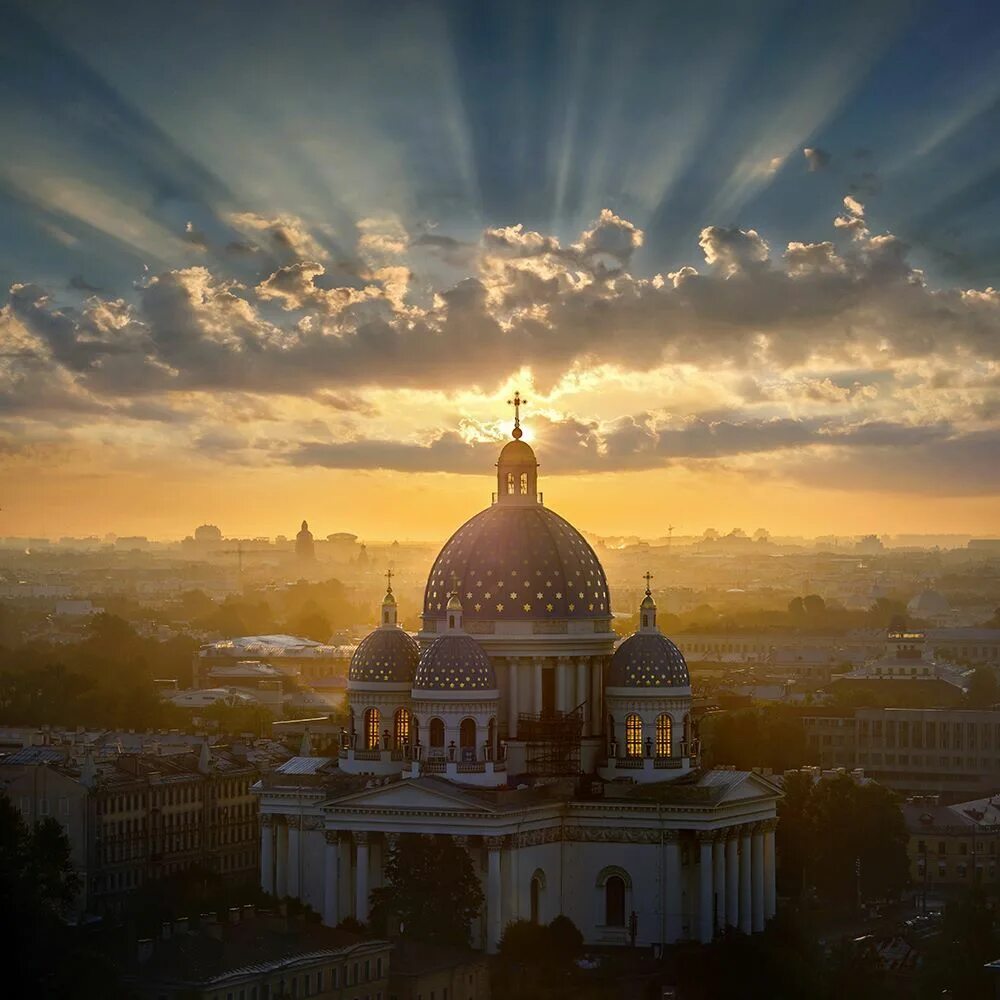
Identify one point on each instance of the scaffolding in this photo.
(552, 741)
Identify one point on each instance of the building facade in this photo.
(564, 762)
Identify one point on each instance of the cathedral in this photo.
(516, 722)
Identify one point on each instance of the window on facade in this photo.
(633, 736)
(437, 733)
(524, 483)
(467, 733)
(614, 901)
(536, 896)
(373, 722)
(401, 726)
(663, 728)
(510, 483)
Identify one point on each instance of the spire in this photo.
(454, 608)
(517, 468)
(388, 603)
(647, 609)
(517, 403)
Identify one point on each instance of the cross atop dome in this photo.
(388, 580)
(647, 577)
(647, 609)
(517, 403)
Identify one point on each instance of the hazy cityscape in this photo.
(500, 500)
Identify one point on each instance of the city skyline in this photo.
(742, 264)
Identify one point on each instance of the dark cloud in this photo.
(816, 159)
(79, 284)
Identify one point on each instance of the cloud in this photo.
(816, 159)
(733, 251)
(286, 234)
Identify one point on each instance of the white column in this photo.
(770, 891)
(361, 877)
(746, 918)
(705, 890)
(757, 877)
(732, 880)
(294, 836)
(536, 673)
(331, 862)
(345, 887)
(672, 872)
(494, 896)
(582, 694)
(719, 863)
(513, 669)
(267, 853)
(281, 858)
(508, 869)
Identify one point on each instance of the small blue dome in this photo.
(648, 660)
(455, 662)
(387, 654)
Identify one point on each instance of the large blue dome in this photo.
(648, 660)
(518, 563)
(454, 662)
(387, 654)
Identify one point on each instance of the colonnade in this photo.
(736, 887)
(579, 681)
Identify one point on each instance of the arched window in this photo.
(467, 734)
(537, 887)
(437, 733)
(664, 725)
(451, 621)
(385, 617)
(614, 901)
(401, 726)
(524, 483)
(510, 483)
(373, 722)
(633, 736)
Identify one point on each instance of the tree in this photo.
(796, 607)
(813, 604)
(983, 688)
(954, 961)
(431, 889)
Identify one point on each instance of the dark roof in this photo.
(455, 662)
(518, 563)
(387, 654)
(200, 956)
(648, 660)
(412, 958)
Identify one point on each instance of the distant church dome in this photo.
(304, 547)
(928, 602)
(454, 662)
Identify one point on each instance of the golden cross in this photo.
(517, 403)
(388, 580)
(647, 578)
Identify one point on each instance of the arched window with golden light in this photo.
(524, 483)
(664, 726)
(633, 736)
(373, 722)
(510, 483)
(401, 726)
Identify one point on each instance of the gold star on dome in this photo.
(513, 595)
(548, 607)
(469, 595)
(572, 607)
(499, 607)
(478, 607)
(539, 595)
(527, 607)
(558, 596)
(487, 595)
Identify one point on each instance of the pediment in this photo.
(749, 785)
(412, 794)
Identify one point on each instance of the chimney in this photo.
(249, 912)
(145, 949)
(181, 925)
(234, 914)
(165, 930)
(211, 926)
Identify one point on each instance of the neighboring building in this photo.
(953, 845)
(782, 649)
(564, 761)
(300, 659)
(907, 659)
(929, 605)
(419, 971)
(257, 955)
(133, 817)
(966, 645)
(951, 751)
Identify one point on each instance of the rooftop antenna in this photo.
(670, 536)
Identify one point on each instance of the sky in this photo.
(261, 262)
